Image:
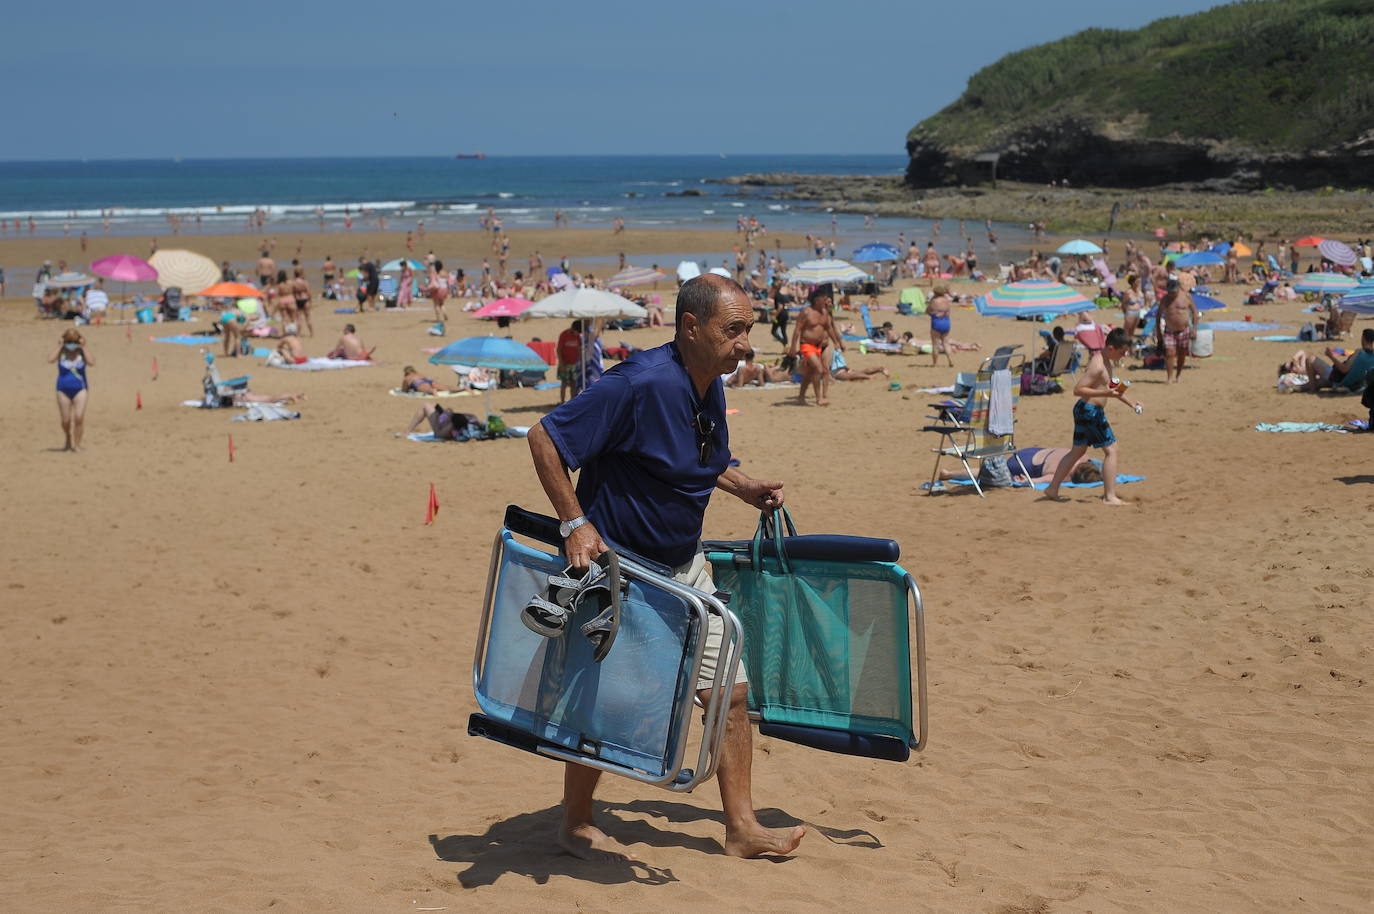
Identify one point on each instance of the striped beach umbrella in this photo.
(69, 280)
(1338, 253)
(125, 268)
(1361, 301)
(1325, 284)
(1032, 298)
(815, 272)
(634, 276)
(184, 269)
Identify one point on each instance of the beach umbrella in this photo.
(1198, 259)
(504, 307)
(585, 303)
(395, 265)
(688, 269)
(816, 272)
(69, 280)
(560, 280)
(495, 352)
(634, 276)
(1078, 246)
(1337, 253)
(229, 290)
(125, 268)
(874, 251)
(1032, 298)
(1203, 302)
(1325, 283)
(1310, 241)
(184, 269)
(1361, 301)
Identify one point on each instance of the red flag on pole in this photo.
(231, 448)
(433, 508)
(138, 399)
(154, 368)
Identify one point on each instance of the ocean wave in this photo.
(214, 211)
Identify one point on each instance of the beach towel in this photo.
(1237, 325)
(947, 389)
(321, 364)
(186, 339)
(1299, 427)
(512, 431)
(771, 385)
(441, 395)
(1001, 417)
(1278, 339)
(267, 412)
(1121, 480)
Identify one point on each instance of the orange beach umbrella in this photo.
(229, 290)
(1310, 241)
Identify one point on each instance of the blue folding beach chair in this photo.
(624, 704)
(828, 624)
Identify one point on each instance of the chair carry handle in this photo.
(770, 526)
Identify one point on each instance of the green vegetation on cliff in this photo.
(1271, 75)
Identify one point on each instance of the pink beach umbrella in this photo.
(125, 268)
(504, 307)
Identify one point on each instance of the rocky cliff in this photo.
(1257, 94)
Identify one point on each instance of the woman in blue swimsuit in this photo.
(939, 308)
(72, 389)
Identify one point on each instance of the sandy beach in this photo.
(245, 686)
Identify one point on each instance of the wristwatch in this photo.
(565, 528)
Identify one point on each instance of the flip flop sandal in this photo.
(602, 630)
(545, 618)
(564, 588)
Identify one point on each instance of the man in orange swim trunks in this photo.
(813, 331)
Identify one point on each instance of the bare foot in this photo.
(822, 402)
(801, 401)
(756, 841)
(588, 842)
(1053, 495)
(1112, 501)
(886, 373)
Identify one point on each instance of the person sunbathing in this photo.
(441, 422)
(840, 370)
(291, 347)
(751, 373)
(244, 397)
(413, 383)
(923, 346)
(1030, 465)
(350, 347)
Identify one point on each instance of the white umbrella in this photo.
(185, 269)
(585, 303)
(720, 271)
(815, 272)
(688, 270)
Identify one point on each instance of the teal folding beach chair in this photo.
(829, 624)
(626, 707)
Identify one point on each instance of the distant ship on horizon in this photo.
(471, 155)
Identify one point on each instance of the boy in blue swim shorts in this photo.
(1090, 425)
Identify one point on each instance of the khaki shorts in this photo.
(695, 574)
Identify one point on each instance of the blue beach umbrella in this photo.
(874, 251)
(395, 265)
(1078, 246)
(1198, 259)
(1203, 302)
(490, 352)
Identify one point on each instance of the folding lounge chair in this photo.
(828, 625)
(981, 430)
(218, 391)
(630, 713)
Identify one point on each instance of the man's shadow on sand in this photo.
(524, 844)
(1362, 479)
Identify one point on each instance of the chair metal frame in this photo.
(961, 424)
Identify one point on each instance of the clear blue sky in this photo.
(249, 78)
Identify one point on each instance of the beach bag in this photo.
(1307, 332)
(1201, 347)
(993, 474)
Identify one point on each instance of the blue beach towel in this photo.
(188, 340)
(1121, 480)
(1277, 339)
(1238, 325)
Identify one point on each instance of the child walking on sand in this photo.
(1090, 425)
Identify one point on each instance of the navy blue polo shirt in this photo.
(632, 435)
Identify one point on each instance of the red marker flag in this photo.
(154, 368)
(432, 509)
(231, 448)
(138, 399)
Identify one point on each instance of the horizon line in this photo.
(521, 155)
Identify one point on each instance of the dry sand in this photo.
(232, 687)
